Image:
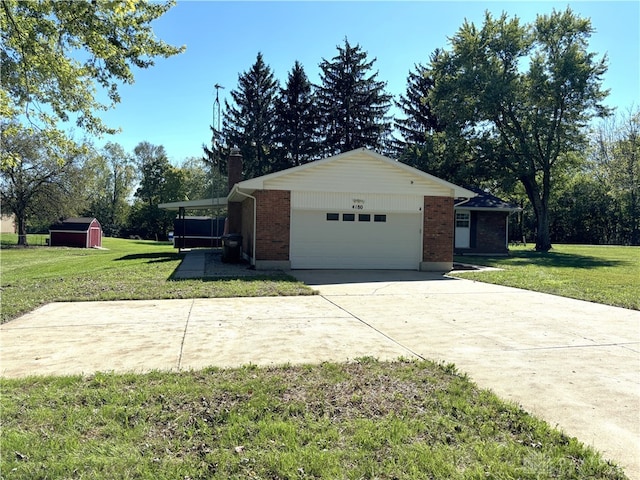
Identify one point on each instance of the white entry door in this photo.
(352, 240)
(463, 229)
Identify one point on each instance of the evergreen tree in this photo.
(352, 102)
(248, 122)
(297, 121)
(420, 119)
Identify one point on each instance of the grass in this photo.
(601, 274)
(367, 419)
(360, 420)
(127, 270)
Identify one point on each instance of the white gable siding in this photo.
(356, 202)
(357, 173)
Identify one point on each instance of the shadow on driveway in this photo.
(339, 277)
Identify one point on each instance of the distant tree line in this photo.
(508, 107)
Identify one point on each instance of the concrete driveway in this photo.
(575, 364)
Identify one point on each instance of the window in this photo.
(379, 218)
(348, 217)
(364, 217)
(462, 220)
(333, 217)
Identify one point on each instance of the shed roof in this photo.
(361, 170)
(74, 224)
(485, 201)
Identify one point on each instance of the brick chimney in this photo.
(234, 175)
(234, 167)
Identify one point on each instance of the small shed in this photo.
(82, 232)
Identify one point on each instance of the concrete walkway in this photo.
(575, 364)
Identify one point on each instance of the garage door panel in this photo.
(319, 243)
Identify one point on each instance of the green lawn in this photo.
(368, 419)
(361, 420)
(601, 274)
(127, 270)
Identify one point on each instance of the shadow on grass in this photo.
(545, 259)
(155, 257)
(248, 278)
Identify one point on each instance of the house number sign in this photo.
(358, 204)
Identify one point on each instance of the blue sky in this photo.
(171, 103)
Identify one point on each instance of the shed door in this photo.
(352, 240)
(95, 239)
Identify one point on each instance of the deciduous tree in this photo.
(54, 54)
(113, 176)
(37, 173)
(522, 96)
(617, 162)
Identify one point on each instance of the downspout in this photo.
(507, 232)
(255, 208)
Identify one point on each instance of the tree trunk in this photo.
(22, 229)
(540, 205)
(543, 239)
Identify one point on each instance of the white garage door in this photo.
(345, 240)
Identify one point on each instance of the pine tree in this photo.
(419, 118)
(297, 120)
(248, 122)
(352, 102)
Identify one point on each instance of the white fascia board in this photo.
(195, 204)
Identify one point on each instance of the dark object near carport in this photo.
(82, 232)
(193, 232)
(231, 248)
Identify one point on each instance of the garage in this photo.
(376, 233)
(356, 210)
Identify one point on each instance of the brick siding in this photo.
(490, 232)
(437, 245)
(273, 224)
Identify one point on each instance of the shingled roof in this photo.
(485, 201)
(74, 224)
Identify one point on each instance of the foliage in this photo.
(605, 275)
(420, 119)
(109, 191)
(53, 54)
(616, 164)
(521, 95)
(352, 102)
(249, 119)
(38, 175)
(365, 419)
(297, 121)
(126, 270)
(160, 182)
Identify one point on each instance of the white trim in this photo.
(195, 204)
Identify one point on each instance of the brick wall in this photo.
(437, 245)
(490, 232)
(273, 224)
